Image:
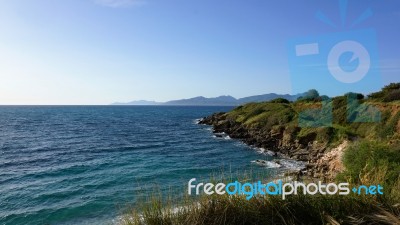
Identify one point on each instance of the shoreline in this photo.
(321, 162)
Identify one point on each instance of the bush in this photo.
(279, 100)
(393, 95)
(366, 156)
(388, 93)
(340, 110)
(353, 95)
(389, 127)
(311, 95)
(391, 86)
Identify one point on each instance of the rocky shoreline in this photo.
(322, 162)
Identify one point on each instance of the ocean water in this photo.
(84, 164)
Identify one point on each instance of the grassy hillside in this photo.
(374, 142)
(275, 115)
(371, 126)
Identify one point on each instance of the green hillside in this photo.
(350, 138)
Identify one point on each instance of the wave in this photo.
(222, 135)
(285, 164)
(266, 152)
(267, 164)
(197, 121)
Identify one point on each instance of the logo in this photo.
(344, 61)
(279, 188)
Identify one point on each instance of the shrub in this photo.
(393, 95)
(310, 95)
(388, 128)
(367, 156)
(340, 110)
(353, 95)
(388, 93)
(280, 100)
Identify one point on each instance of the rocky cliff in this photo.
(282, 141)
(274, 126)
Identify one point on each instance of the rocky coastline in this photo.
(322, 162)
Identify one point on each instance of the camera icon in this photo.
(335, 64)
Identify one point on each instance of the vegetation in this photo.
(371, 162)
(372, 158)
(296, 209)
(389, 93)
(279, 100)
(343, 117)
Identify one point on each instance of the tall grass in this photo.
(224, 209)
(371, 162)
(366, 162)
(296, 209)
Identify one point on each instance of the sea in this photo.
(75, 165)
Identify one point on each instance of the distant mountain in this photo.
(140, 102)
(268, 97)
(224, 100)
(220, 101)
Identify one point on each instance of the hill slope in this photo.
(306, 131)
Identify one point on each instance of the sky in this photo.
(91, 52)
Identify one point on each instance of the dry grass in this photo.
(296, 209)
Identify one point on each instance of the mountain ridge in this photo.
(223, 100)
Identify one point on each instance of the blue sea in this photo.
(86, 164)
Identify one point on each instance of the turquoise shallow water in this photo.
(84, 164)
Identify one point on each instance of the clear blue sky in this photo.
(102, 51)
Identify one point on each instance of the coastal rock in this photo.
(322, 163)
(330, 163)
